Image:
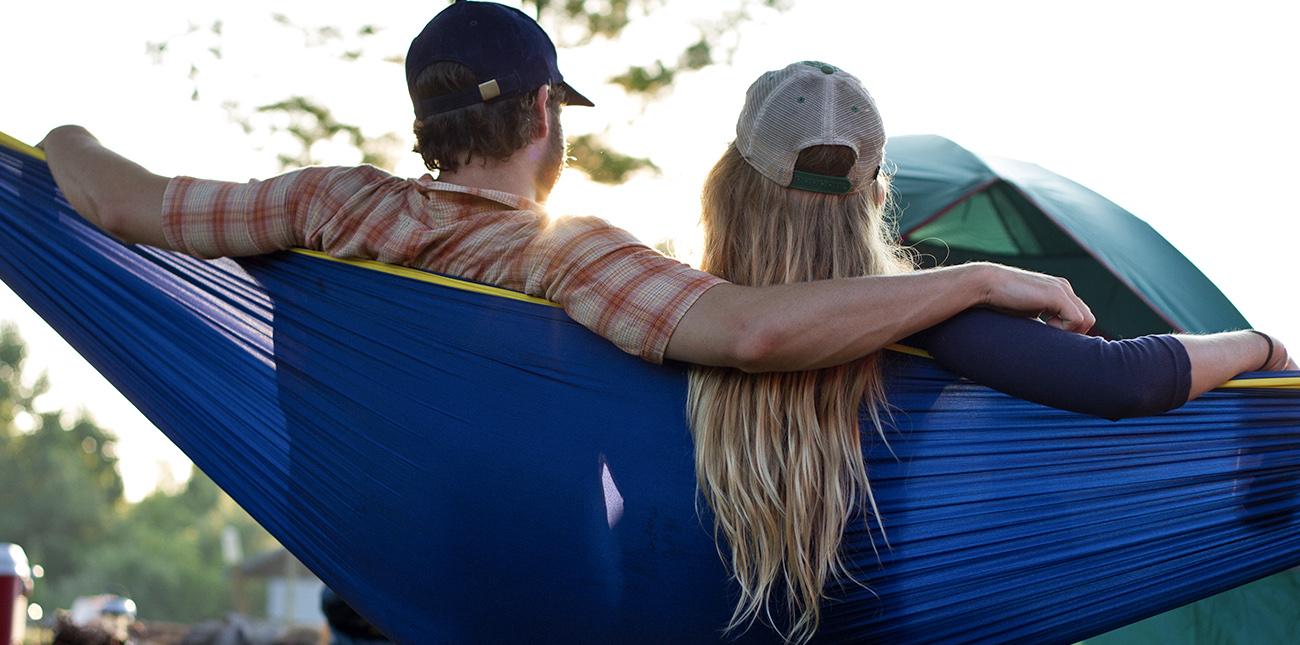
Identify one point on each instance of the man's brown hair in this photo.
(483, 131)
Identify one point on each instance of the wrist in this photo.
(1267, 346)
(981, 283)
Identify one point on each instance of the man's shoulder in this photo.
(363, 175)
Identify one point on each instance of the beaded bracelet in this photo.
(1268, 339)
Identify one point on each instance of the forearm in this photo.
(819, 324)
(833, 322)
(107, 189)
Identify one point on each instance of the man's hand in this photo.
(109, 190)
(1034, 295)
(810, 325)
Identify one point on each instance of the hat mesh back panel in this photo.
(801, 106)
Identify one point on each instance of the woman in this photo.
(800, 196)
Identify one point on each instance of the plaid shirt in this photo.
(602, 276)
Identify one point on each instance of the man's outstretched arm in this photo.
(109, 190)
(776, 328)
(819, 324)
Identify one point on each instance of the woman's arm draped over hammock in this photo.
(1110, 379)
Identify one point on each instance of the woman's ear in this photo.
(878, 192)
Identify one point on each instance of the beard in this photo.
(554, 158)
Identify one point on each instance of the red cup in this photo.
(15, 584)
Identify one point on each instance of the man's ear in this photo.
(543, 115)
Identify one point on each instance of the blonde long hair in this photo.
(778, 455)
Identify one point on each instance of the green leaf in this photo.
(602, 164)
(643, 80)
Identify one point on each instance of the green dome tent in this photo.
(956, 206)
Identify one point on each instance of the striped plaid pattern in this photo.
(602, 276)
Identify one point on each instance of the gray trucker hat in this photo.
(809, 104)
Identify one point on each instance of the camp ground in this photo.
(469, 465)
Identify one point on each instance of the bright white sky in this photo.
(1181, 112)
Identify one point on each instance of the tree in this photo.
(61, 500)
(309, 122)
(607, 19)
(166, 550)
(59, 485)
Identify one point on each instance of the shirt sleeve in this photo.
(1033, 361)
(210, 219)
(614, 285)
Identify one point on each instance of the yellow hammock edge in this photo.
(10, 142)
(425, 276)
(1279, 383)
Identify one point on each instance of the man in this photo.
(486, 90)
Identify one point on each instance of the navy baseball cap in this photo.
(507, 51)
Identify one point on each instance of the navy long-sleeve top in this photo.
(1033, 361)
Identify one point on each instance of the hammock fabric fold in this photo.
(465, 467)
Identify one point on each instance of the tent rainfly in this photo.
(957, 206)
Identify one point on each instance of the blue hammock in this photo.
(471, 467)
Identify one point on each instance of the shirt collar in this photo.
(509, 199)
